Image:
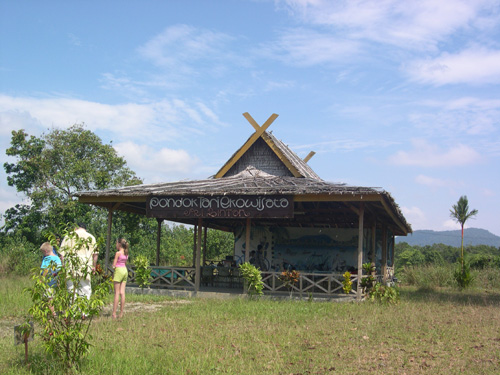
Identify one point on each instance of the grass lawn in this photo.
(428, 332)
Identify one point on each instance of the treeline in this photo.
(478, 257)
(18, 255)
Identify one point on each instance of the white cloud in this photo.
(408, 24)
(304, 47)
(474, 66)
(430, 181)
(156, 121)
(344, 145)
(157, 165)
(488, 192)
(425, 154)
(451, 224)
(415, 216)
(179, 46)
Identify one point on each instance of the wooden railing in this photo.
(309, 282)
(171, 277)
(313, 283)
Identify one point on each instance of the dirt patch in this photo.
(134, 307)
(7, 324)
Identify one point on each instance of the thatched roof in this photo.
(255, 182)
(249, 182)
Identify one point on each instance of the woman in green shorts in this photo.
(121, 273)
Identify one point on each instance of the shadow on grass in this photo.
(443, 295)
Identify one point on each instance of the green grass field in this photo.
(442, 331)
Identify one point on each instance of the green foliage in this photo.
(384, 294)
(142, 271)
(368, 281)
(18, 256)
(347, 283)
(460, 213)
(428, 276)
(64, 316)
(253, 279)
(289, 279)
(49, 169)
(463, 275)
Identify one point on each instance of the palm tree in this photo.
(460, 213)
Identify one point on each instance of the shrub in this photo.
(18, 256)
(289, 279)
(253, 279)
(428, 276)
(347, 283)
(142, 271)
(65, 316)
(384, 294)
(463, 275)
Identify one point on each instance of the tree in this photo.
(460, 213)
(49, 169)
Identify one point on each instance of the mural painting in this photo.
(306, 249)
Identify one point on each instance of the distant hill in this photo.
(472, 236)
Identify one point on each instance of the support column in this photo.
(360, 250)
(197, 265)
(393, 251)
(374, 244)
(205, 245)
(158, 238)
(108, 239)
(195, 238)
(247, 240)
(384, 254)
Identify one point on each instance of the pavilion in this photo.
(280, 209)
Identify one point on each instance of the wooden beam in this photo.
(205, 244)
(337, 198)
(197, 265)
(158, 240)
(374, 243)
(393, 216)
(108, 240)
(360, 251)
(112, 198)
(384, 253)
(247, 240)
(309, 156)
(248, 144)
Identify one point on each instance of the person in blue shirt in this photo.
(51, 264)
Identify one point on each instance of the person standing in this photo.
(50, 266)
(120, 275)
(84, 246)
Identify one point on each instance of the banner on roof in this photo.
(220, 207)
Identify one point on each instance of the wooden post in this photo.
(195, 237)
(247, 241)
(384, 254)
(393, 250)
(205, 245)
(360, 250)
(197, 266)
(158, 238)
(108, 239)
(374, 243)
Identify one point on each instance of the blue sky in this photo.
(399, 95)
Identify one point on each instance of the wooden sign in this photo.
(220, 207)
